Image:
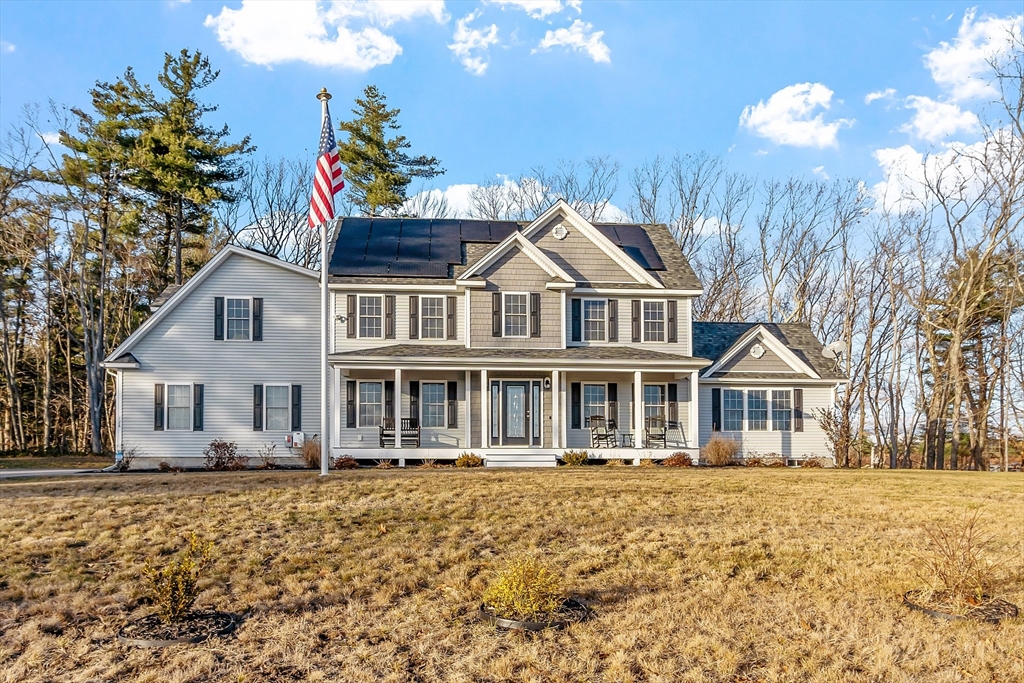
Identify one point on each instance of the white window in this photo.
(238, 319)
(371, 403)
(516, 315)
(179, 407)
(593, 401)
(594, 319)
(433, 399)
(732, 406)
(757, 410)
(654, 321)
(432, 317)
(782, 410)
(278, 407)
(371, 316)
(654, 400)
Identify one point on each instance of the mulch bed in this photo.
(571, 612)
(936, 604)
(150, 631)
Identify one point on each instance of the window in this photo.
(732, 404)
(278, 407)
(516, 314)
(757, 410)
(371, 316)
(782, 410)
(495, 410)
(593, 320)
(432, 318)
(238, 319)
(593, 401)
(371, 403)
(654, 321)
(433, 404)
(179, 407)
(654, 400)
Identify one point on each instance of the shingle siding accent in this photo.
(578, 256)
(769, 362)
(515, 272)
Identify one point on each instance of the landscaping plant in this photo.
(311, 452)
(266, 453)
(678, 459)
(525, 589)
(719, 451)
(174, 588)
(345, 462)
(467, 459)
(223, 455)
(575, 458)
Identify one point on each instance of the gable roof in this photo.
(182, 292)
(516, 240)
(720, 341)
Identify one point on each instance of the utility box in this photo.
(298, 439)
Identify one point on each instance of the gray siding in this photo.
(684, 345)
(515, 272)
(340, 308)
(583, 260)
(744, 362)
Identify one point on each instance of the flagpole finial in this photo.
(323, 95)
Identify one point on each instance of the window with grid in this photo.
(516, 314)
(654, 400)
(371, 316)
(757, 410)
(432, 317)
(593, 320)
(782, 410)
(238, 319)
(278, 402)
(371, 403)
(732, 410)
(593, 401)
(432, 398)
(654, 321)
(179, 407)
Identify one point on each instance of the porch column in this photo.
(556, 408)
(563, 438)
(469, 410)
(398, 413)
(638, 411)
(693, 433)
(485, 411)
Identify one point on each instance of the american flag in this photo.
(327, 180)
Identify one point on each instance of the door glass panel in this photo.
(535, 414)
(515, 411)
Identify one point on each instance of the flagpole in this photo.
(325, 369)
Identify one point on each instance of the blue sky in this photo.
(497, 87)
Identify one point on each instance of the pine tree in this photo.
(377, 169)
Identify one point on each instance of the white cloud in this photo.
(908, 172)
(7, 47)
(340, 34)
(50, 138)
(935, 121)
(580, 37)
(820, 171)
(960, 67)
(471, 44)
(886, 94)
(539, 9)
(785, 118)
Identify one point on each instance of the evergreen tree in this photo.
(377, 169)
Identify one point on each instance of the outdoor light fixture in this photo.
(547, 382)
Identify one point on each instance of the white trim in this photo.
(191, 406)
(468, 393)
(226, 319)
(359, 402)
(769, 339)
(350, 287)
(563, 316)
(556, 415)
(119, 412)
(266, 407)
(620, 292)
(422, 403)
(504, 296)
(467, 315)
(335, 419)
(583, 321)
(444, 319)
(537, 364)
(485, 410)
(516, 239)
(197, 279)
(383, 315)
(664, 321)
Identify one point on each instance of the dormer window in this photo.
(654, 321)
(516, 314)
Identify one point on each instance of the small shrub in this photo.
(164, 466)
(175, 587)
(385, 464)
(311, 453)
(618, 462)
(956, 564)
(429, 464)
(678, 459)
(128, 456)
(753, 462)
(719, 451)
(267, 454)
(575, 458)
(223, 455)
(467, 459)
(525, 588)
(345, 462)
(812, 462)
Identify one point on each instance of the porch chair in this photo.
(655, 433)
(600, 434)
(409, 432)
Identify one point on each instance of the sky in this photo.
(818, 90)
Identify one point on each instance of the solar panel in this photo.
(476, 231)
(413, 248)
(638, 256)
(502, 229)
(636, 236)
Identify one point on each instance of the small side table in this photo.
(626, 439)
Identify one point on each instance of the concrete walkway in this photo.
(19, 474)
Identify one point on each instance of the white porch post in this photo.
(638, 411)
(485, 410)
(693, 437)
(469, 410)
(563, 424)
(556, 418)
(397, 408)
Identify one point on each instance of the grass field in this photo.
(54, 462)
(694, 575)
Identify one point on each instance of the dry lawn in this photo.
(694, 574)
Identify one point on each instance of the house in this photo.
(512, 340)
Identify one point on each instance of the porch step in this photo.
(520, 460)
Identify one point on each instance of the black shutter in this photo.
(496, 314)
(453, 405)
(673, 402)
(414, 400)
(636, 320)
(535, 314)
(352, 315)
(577, 320)
(296, 407)
(257, 319)
(613, 402)
(414, 317)
(389, 398)
(197, 407)
(450, 311)
(158, 407)
(257, 407)
(716, 410)
(576, 389)
(673, 337)
(350, 404)
(798, 410)
(218, 317)
(389, 316)
(613, 320)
